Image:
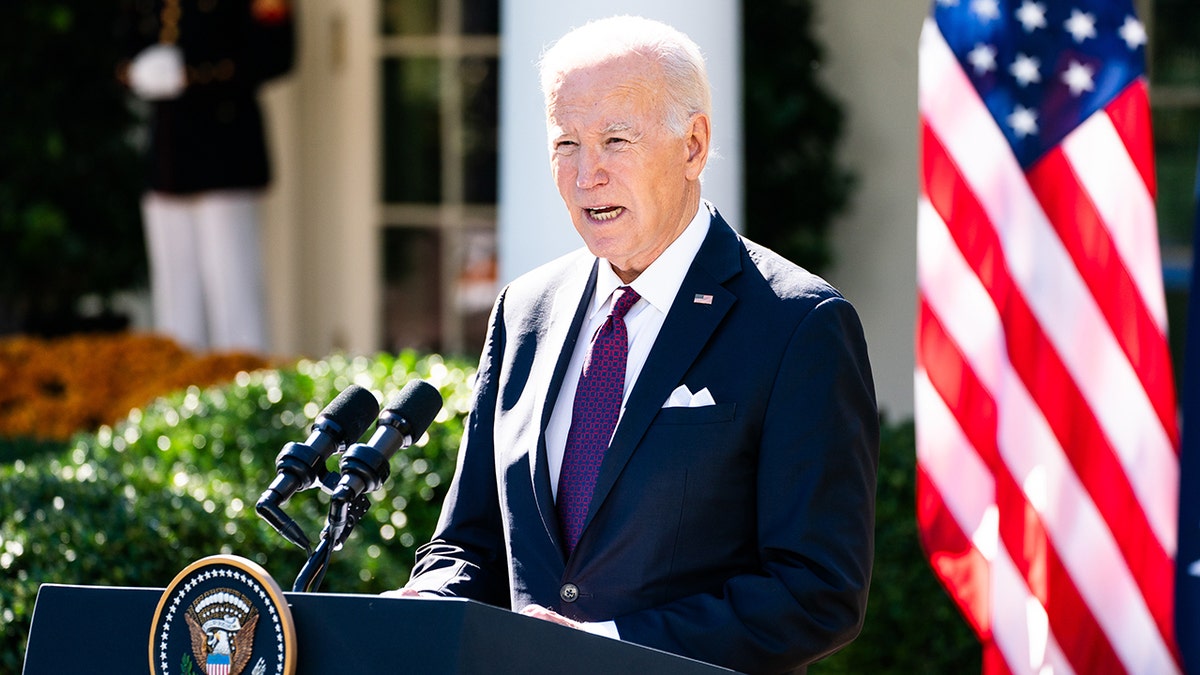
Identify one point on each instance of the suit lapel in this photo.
(688, 327)
(566, 317)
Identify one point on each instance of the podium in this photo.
(77, 629)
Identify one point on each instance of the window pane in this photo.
(1176, 42)
(412, 306)
(480, 87)
(480, 17)
(411, 143)
(1176, 142)
(408, 17)
(476, 287)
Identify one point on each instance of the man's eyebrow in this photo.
(617, 127)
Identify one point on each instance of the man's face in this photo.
(630, 185)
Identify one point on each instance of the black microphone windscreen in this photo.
(418, 403)
(353, 411)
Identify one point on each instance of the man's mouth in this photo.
(604, 213)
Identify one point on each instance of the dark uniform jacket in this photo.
(211, 137)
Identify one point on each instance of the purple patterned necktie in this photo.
(593, 417)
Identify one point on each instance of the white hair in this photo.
(686, 87)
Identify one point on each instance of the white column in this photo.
(533, 224)
(871, 66)
(337, 271)
(281, 213)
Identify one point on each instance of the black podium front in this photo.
(100, 629)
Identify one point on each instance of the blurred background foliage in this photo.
(794, 182)
(70, 171)
(175, 479)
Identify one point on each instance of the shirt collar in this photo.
(659, 283)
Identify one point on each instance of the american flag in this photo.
(1047, 441)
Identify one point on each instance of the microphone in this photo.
(301, 465)
(364, 466)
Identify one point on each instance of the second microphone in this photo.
(365, 466)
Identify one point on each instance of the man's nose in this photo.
(591, 172)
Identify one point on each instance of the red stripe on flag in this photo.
(993, 661)
(1086, 238)
(1129, 113)
(957, 563)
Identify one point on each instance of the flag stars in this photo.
(986, 10)
(1133, 33)
(1081, 25)
(1023, 121)
(1026, 69)
(983, 58)
(1079, 78)
(1032, 15)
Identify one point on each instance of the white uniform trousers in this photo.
(206, 278)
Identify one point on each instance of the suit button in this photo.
(569, 592)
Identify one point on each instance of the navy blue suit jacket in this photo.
(739, 533)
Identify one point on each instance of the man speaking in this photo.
(674, 434)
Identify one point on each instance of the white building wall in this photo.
(871, 66)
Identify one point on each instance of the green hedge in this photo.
(176, 481)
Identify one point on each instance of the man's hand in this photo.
(539, 612)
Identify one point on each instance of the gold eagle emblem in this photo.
(222, 623)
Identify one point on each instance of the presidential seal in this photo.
(223, 615)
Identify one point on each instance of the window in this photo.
(1174, 68)
(439, 67)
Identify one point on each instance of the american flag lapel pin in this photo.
(702, 299)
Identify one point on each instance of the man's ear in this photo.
(698, 139)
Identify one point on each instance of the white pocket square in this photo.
(683, 397)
